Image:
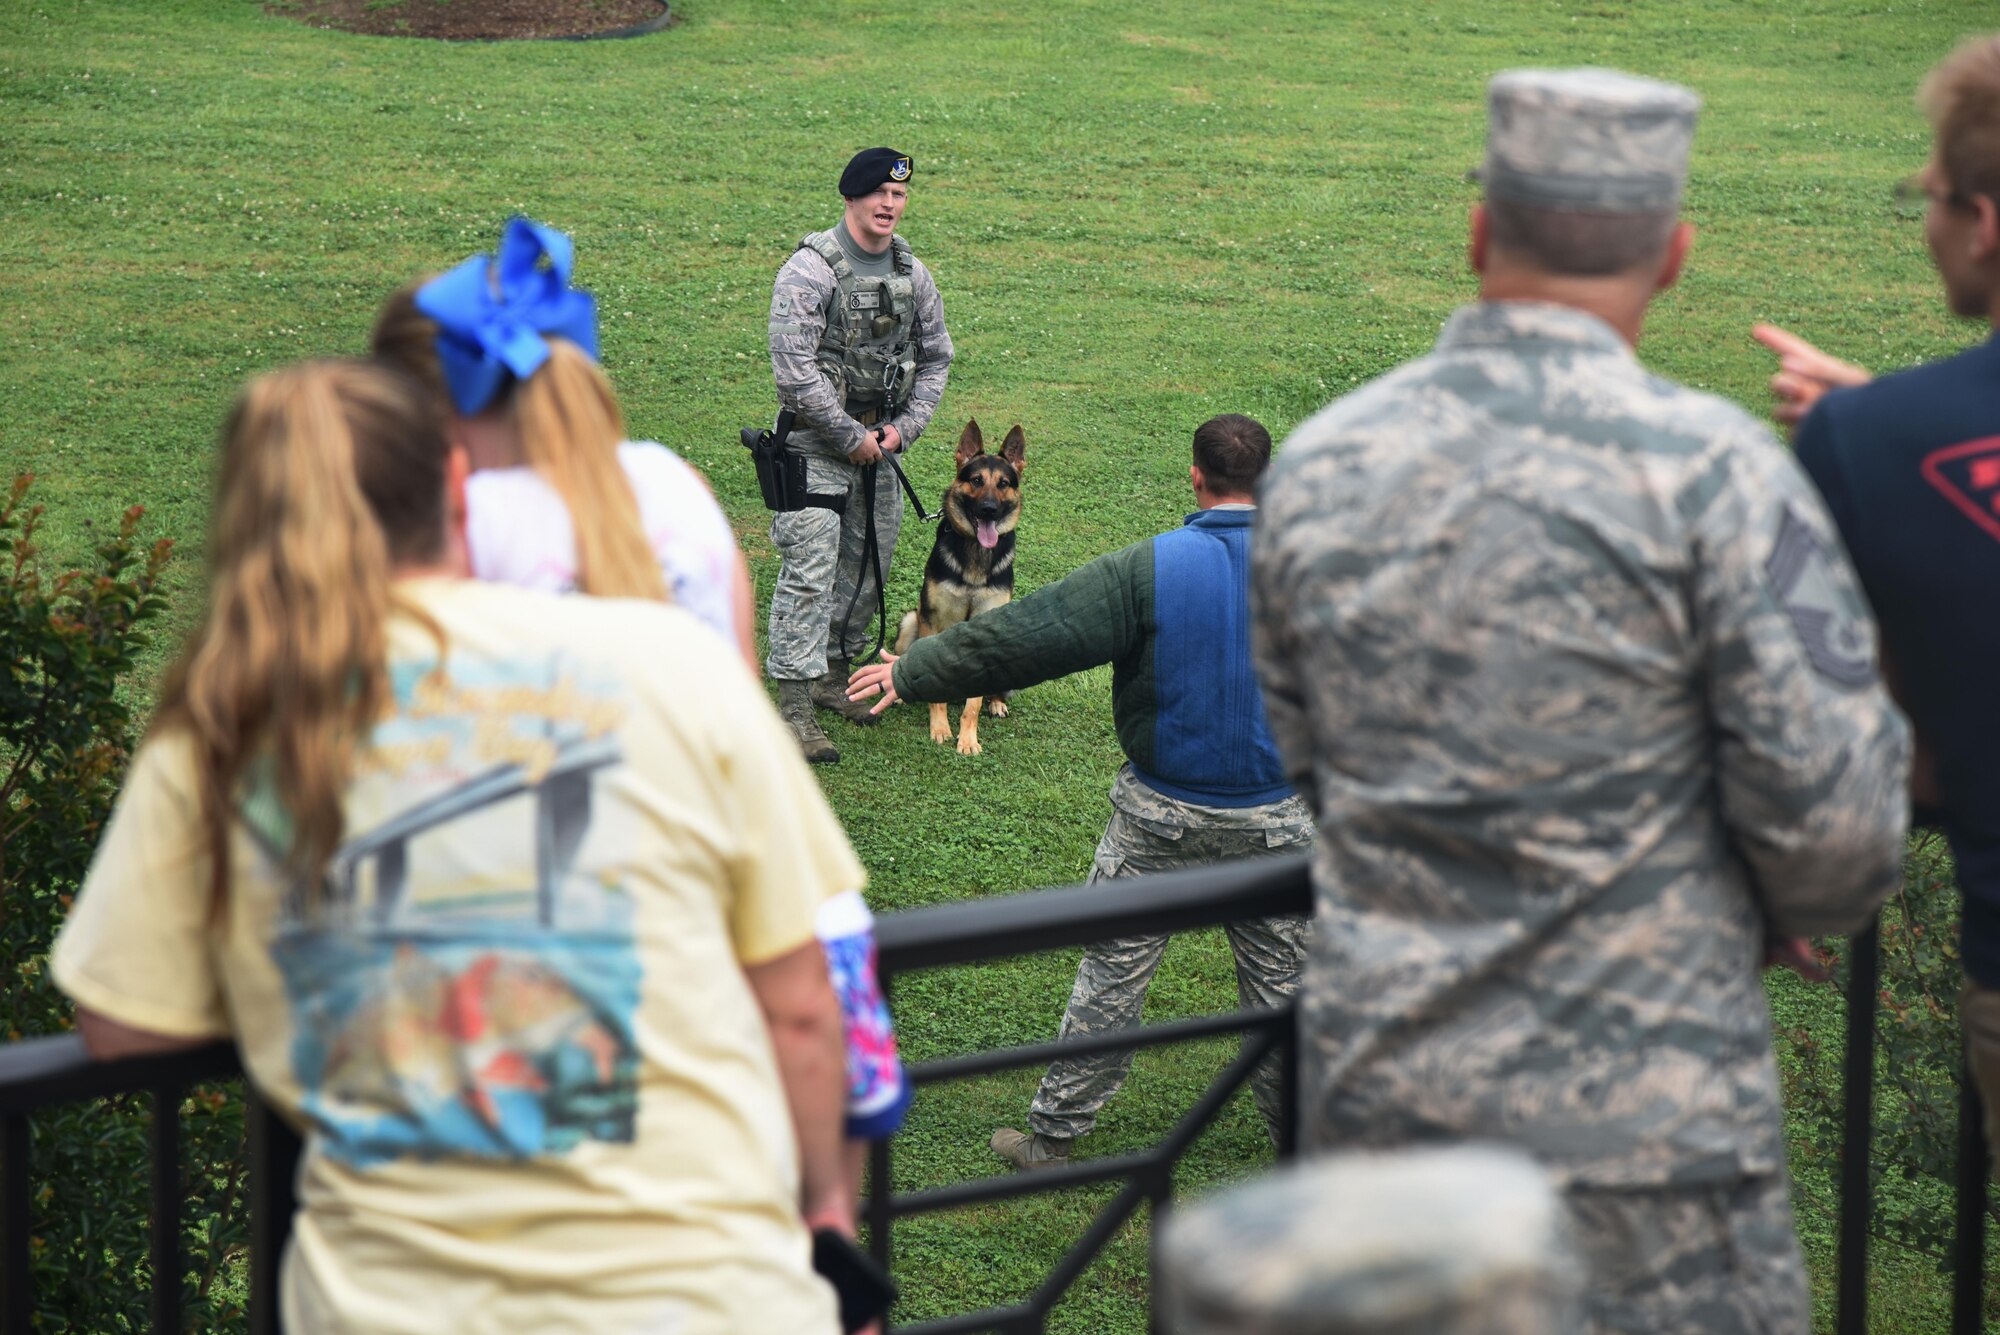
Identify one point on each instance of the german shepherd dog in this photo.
(971, 569)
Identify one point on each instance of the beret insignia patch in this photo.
(900, 171)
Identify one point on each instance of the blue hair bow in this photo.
(495, 313)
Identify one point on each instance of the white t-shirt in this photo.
(540, 1094)
(520, 532)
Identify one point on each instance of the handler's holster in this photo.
(781, 473)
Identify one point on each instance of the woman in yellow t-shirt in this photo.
(506, 902)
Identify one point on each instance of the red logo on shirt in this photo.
(1968, 475)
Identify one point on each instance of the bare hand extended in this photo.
(866, 681)
(1804, 372)
(890, 439)
(867, 452)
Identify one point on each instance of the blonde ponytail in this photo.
(332, 472)
(570, 432)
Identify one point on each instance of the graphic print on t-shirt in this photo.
(463, 982)
(1968, 475)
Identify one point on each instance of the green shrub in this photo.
(70, 642)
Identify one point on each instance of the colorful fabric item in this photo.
(878, 1095)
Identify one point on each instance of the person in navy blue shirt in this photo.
(1910, 468)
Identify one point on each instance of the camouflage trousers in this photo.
(1150, 832)
(823, 567)
(1720, 1260)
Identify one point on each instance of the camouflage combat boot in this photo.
(795, 707)
(830, 692)
(1028, 1152)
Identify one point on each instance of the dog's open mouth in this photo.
(987, 532)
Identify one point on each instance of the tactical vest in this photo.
(869, 348)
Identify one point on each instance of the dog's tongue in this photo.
(989, 532)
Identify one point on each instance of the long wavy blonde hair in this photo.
(570, 429)
(333, 473)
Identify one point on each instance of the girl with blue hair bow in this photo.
(559, 500)
(511, 348)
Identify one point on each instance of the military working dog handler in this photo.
(860, 354)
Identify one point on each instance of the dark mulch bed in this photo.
(470, 20)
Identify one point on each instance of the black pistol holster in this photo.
(781, 473)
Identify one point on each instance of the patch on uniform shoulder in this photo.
(1968, 476)
(1829, 622)
(900, 170)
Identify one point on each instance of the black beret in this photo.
(870, 168)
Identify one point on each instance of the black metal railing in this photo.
(43, 1072)
(1857, 1192)
(40, 1073)
(990, 929)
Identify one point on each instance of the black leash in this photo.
(871, 553)
(871, 549)
(910, 491)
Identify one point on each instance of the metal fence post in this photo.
(274, 1166)
(164, 1228)
(1858, 1130)
(17, 1280)
(1968, 1280)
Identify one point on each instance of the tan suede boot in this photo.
(795, 706)
(830, 692)
(1029, 1152)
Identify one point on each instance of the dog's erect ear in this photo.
(1014, 449)
(970, 443)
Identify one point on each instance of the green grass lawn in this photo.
(1140, 214)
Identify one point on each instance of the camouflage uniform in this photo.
(1150, 832)
(1720, 1258)
(825, 571)
(821, 550)
(1469, 1240)
(1573, 671)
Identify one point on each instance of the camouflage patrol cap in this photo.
(1437, 1241)
(1588, 140)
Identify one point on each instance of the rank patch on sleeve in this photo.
(1827, 618)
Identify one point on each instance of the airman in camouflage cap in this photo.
(1582, 689)
(1596, 141)
(1468, 1240)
